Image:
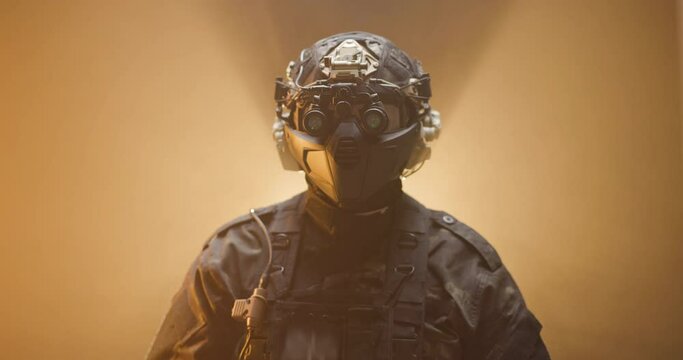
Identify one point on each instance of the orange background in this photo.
(130, 130)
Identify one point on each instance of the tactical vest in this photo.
(386, 324)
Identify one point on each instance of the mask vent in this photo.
(347, 152)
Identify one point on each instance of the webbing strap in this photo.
(406, 290)
(285, 236)
(285, 247)
(285, 232)
(388, 328)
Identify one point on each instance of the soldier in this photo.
(353, 268)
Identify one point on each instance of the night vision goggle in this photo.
(325, 102)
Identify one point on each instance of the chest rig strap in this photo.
(284, 232)
(285, 235)
(405, 286)
(390, 326)
(402, 299)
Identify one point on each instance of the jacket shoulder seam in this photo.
(243, 219)
(240, 220)
(470, 236)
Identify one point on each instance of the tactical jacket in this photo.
(405, 282)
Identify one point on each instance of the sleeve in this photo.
(507, 330)
(198, 324)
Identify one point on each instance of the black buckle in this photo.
(407, 241)
(280, 242)
(405, 269)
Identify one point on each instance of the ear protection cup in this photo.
(430, 128)
(286, 158)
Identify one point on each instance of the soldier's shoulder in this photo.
(457, 239)
(234, 255)
(267, 214)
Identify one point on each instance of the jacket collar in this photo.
(404, 212)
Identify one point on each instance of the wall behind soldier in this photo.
(130, 130)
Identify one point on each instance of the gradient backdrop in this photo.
(130, 130)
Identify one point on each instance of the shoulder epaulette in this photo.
(287, 205)
(245, 218)
(472, 237)
(239, 221)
